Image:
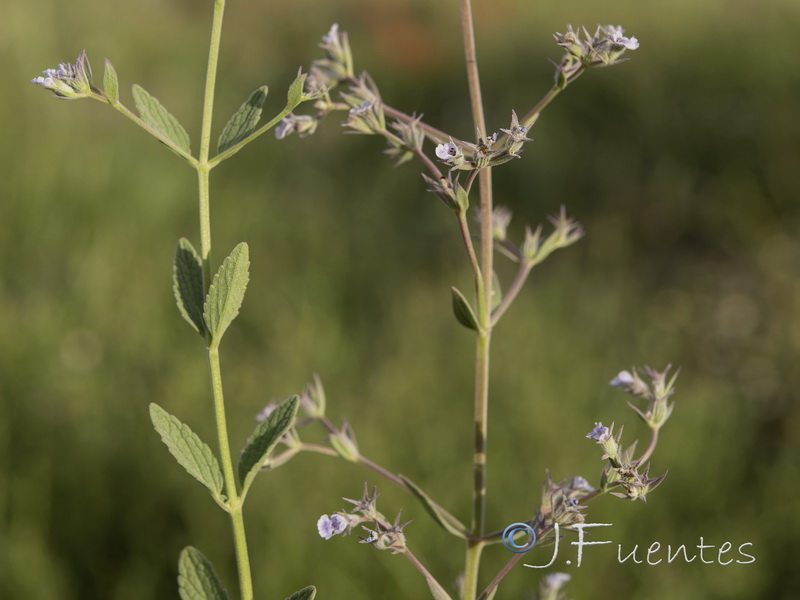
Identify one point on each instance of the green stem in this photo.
(522, 275)
(211, 79)
(203, 185)
(203, 167)
(234, 501)
(203, 170)
(534, 113)
(483, 288)
(435, 587)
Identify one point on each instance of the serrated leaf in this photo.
(307, 593)
(111, 84)
(154, 114)
(188, 449)
(264, 439)
(187, 284)
(448, 522)
(196, 577)
(244, 121)
(463, 311)
(295, 94)
(226, 293)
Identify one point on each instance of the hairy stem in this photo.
(203, 168)
(234, 501)
(483, 288)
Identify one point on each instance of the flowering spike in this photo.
(70, 80)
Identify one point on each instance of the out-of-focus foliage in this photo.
(681, 164)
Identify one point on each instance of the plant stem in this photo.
(522, 275)
(203, 168)
(650, 447)
(234, 502)
(435, 587)
(483, 288)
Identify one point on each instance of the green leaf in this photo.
(307, 593)
(295, 95)
(226, 293)
(111, 84)
(463, 311)
(446, 520)
(196, 577)
(244, 121)
(187, 284)
(188, 449)
(155, 115)
(264, 439)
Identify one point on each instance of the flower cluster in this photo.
(622, 469)
(657, 393)
(561, 502)
(383, 534)
(327, 72)
(603, 48)
(366, 108)
(486, 152)
(69, 81)
(449, 191)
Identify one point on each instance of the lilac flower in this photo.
(332, 37)
(580, 483)
(599, 434)
(330, 526)
(623, 379)
(556, 580)
(614, 34)
(448, 151)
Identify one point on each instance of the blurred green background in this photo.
(682, 165)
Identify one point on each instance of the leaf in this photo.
(226, 293)
(243, 121)
(307, 593)
(463, 311)
(188, 449)
(295, 94)
(447, 521)
(196, 577)
(265, 437)
(111, 84)
(187, 284)
(155, 115)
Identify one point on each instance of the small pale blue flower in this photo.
(330, 526)
(448, 151)
(599, 433)
(623, 379)
(332, 37)
(615, 34)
